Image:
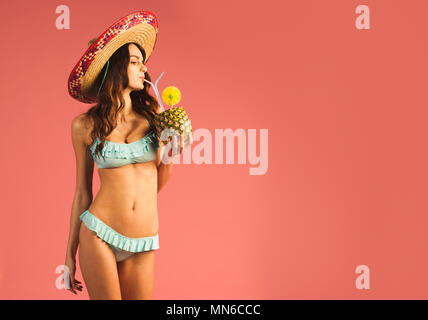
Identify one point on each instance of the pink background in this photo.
(346, 111)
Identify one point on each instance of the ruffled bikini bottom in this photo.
(122, 246)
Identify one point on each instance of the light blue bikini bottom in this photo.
(122, 246)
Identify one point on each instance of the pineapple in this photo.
(173, 121)
(174, 118)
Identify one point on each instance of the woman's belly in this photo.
(127, 199)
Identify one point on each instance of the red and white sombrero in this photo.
(140, 27)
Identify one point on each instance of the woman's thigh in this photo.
(98, 266)
(136, 276)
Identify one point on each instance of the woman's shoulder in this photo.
(81, 126)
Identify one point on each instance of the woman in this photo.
(119, 233)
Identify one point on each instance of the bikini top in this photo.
(116, 154)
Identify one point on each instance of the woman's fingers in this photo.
(175, 146)
(75, 285)
(182, 141)
(188, 140)
(178, 143)
(72, 290)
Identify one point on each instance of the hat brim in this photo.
(140, 27)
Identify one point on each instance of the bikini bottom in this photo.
(123, 247)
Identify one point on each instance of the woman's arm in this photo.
(164, 169)
(84, 174)
(175, 147)
(164, 166)
(164, 173)
(80, 204)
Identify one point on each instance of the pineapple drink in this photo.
(172, 121)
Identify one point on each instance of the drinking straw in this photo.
(154, 86)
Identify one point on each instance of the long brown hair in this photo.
(104, 114)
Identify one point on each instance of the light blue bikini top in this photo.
(116, 154)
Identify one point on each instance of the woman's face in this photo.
(136, 68)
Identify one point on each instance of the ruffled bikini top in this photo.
(116, 154)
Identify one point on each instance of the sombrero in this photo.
(140, 27)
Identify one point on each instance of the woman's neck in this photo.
(127, 109)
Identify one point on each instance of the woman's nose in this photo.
(144, 68)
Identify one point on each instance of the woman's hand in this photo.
(178, 143)
(70, 262)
